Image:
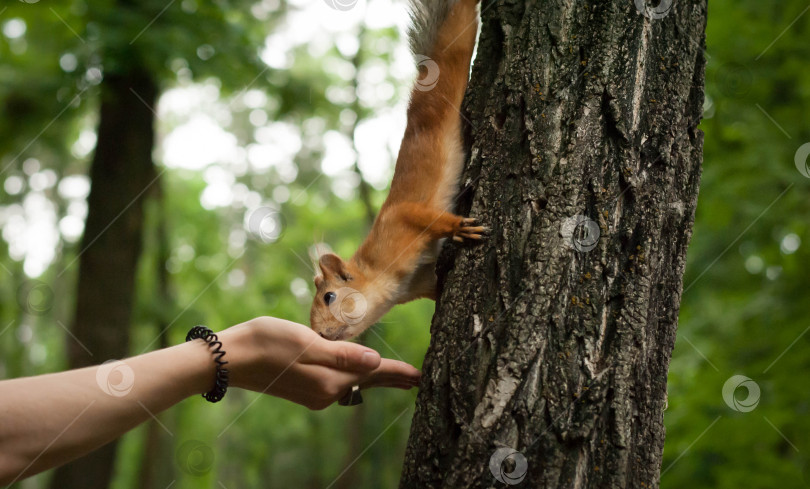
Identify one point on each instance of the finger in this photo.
(397, 369)
(389, 373)
(393, 377)
(404, 387)
(389, 383)
(342, 355)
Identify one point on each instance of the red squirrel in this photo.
(396, 262)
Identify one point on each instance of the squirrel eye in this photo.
(329, 298)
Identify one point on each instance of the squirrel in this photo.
(396, 262)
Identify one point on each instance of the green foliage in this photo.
(744, 304)
(743, 308)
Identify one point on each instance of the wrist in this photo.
(236, 342)
(204, 369)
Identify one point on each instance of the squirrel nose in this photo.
(322, 335)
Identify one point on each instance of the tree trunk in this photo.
(553, 337)
(121, 173)
(156, 463)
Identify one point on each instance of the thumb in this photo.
(343, 355)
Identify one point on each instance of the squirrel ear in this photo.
(332, 265)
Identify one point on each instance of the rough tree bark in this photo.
(547, 340)
(122, 170)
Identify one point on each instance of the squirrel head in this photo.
(341, 307)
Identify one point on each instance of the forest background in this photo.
(277, 125)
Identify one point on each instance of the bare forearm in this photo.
(51, 419)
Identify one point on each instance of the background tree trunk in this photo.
(547, 340)
(156, 468)
(121, 173)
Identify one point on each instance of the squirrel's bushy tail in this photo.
(442, 38)
(429, 37)
(426, 18)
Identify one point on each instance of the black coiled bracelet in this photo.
(221, 385)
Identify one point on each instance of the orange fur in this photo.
(395, 263)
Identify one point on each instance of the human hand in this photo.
(289, 360)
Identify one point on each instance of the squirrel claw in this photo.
(467, 230)
(476, 229)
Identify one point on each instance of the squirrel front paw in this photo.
(465, 228)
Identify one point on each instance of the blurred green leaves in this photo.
(744, 308)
